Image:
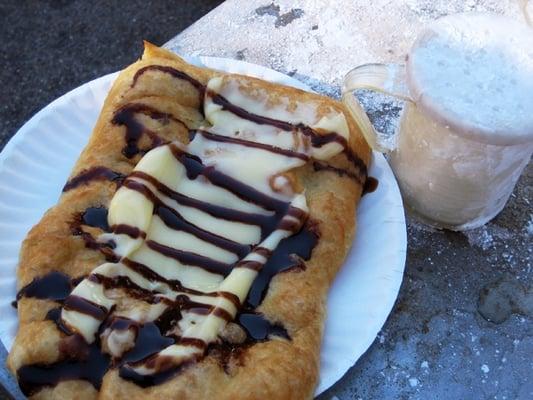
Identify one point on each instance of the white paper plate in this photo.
(35, 165)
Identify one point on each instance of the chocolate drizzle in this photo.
(54, 315)
(125, 283)
(54, 286)
(82, 361)
(371, 184)
(174, 220)
(189, 258)
(95, 217)
(258, 328)
(93, 174)
(148, 273)
(290, 253)
(194, 168)
(134, 129)
(153, 276)
(321, 166)
(87, 362)
(126, 116)
(258, 119)
(84, 306)
(317, 139)
(149, 341)
(265, 222)
(91, 368)
(131, 231)
(174, 73)
(228, 139)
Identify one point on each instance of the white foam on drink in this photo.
(474, 72)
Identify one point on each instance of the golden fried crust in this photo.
(277, 368)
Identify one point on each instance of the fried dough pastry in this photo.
(192, 249)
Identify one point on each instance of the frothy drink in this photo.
(468, 132)
(475, 73)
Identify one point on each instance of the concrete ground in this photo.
(52, 46)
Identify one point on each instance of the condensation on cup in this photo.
(466, 132)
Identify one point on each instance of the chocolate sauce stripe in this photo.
(134, 129)
(244, 114)
(246, 143)
(194, 167)
(120, 324)
(182, 302)
(321, 166)
(32, 378)
(174, 220)
(92, 174)
(194, 342)
(141, 108)
(207, 309)
(143, 189)
(371, 184)
(189, 258)
(222, 313)
(253, 265)
(297, 213)
(95, 217)
(290, 225)
(131, 231)
(195, 307)
(356, 161)
(263, 251)
(124, 282)
(148, 273)
(229, 296)
(259, 328)
(316, 139)
(175, 285)
(174, 73)
(84, 306)
(53, 286)
(266, 222)
(92, 243)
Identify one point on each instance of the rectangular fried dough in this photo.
(168, 105)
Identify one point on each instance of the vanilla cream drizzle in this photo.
(214, 259)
